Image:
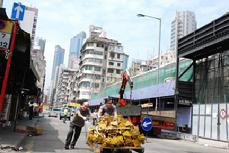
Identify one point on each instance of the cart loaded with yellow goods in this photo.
(115, 134)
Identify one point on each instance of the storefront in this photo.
(17, 74)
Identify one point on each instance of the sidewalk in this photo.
(10, 140)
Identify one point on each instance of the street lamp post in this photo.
(159, 48)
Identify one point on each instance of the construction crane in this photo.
(125, 78)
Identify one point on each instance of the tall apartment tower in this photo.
(102, 61)
(183, 24)
(29, 23)
(74, 53)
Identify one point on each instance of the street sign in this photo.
(5, 33)
(223, 113)
(18, 11)
(147, 124)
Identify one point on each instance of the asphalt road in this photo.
(55, 134)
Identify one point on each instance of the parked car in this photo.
(46, 112)
(54, 112)
(62, 113)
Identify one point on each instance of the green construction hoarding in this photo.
(149, 78)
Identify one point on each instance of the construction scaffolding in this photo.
(212, 97)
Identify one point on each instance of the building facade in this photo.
(102, 61)
(41, 43)
(138, 67)
(65, 86)
(39, 61)
(29, 23)
(183, 24)
(75, 46)
(95, 31)
(141, 66)
(58, 59)
(1, 3)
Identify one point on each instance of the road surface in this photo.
(55, 134)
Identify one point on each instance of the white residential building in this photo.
(102, 61)
(138, 67)
(141, 66)
(65, 86)
(183, 24)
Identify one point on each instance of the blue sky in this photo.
(59, 20)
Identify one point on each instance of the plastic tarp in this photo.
(161, 90)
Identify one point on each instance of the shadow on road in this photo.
(48, 142)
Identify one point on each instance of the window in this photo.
(118, 71)
(97, 68)
(96, 85)
(110, 70)
(112, 55)
(118, 64)
(85, 85)
(99, 45)
(90, 44)
(111, 47)
(88, 67)
(111, 63)
(97, 77)
(118, 56)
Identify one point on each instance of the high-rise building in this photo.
(39, 62)
(183, 24)
(29, 23)
(41, 42)
(102, 61)
(58, 59)
(75, 46)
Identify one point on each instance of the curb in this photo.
(213, 143)
(203, 142)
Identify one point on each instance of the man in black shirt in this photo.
(76, 125)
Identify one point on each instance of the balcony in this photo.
(89, 47)
(99, 49)
(83, 79)
(91, 56)
(92, 72)
(90, 63)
